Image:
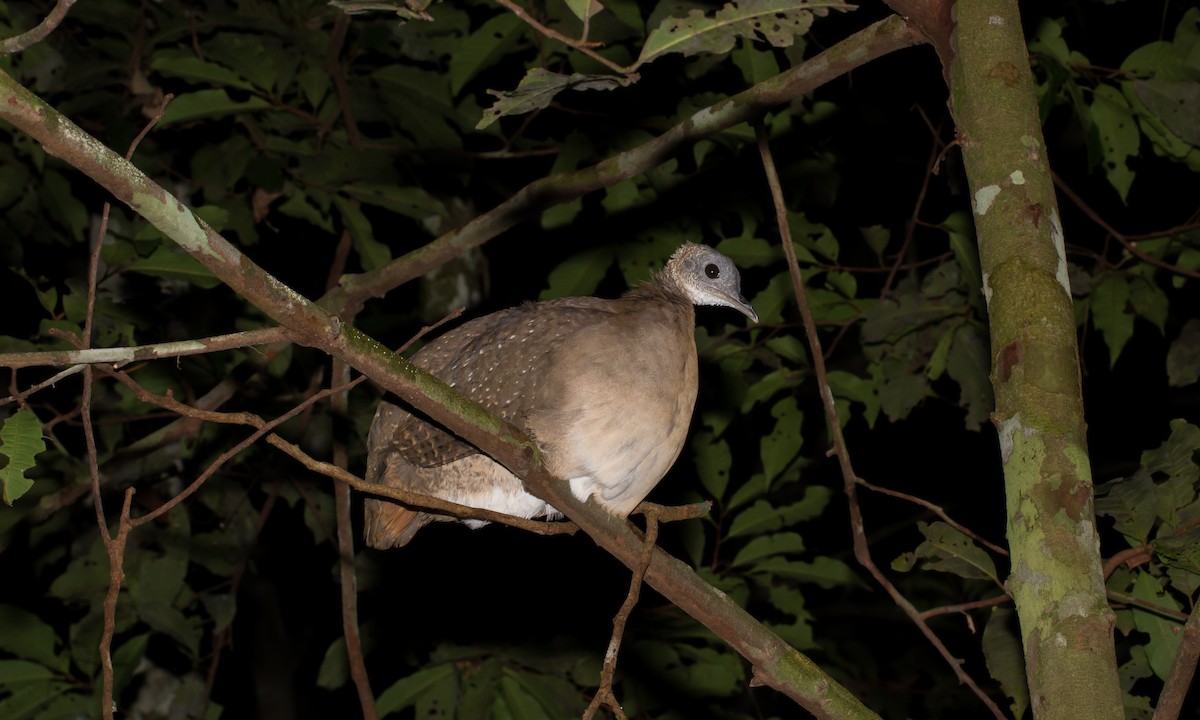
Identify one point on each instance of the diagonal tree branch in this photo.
(875, 41)
(775, 662)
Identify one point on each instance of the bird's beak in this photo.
(743, 306)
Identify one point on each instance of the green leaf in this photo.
(748, 252)
(1118, 136)
(15, 672)
(579, 274)
(763, 517)
(856, 389)
(126, 660)
(168, 261)
(584, 9)
(1110, 314)
(412, 202)
(189, 67)
(969, 364)
(203, 104)
(27, 699)
(335, 667)
(371, 253)
(1149, 301)
(776, 21)
(25, 635)
(824, 572)
(1130, 502)
(538, 88)
(1005, 660)
(783, 444)
(713, 461)
(1183, 357)
(408, 691)
(483, 47)
(947, 549)
(20, 443)
(1164, 634)
(768, 545)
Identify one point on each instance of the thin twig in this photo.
(862, 551)
(604, 695)
(345, 546)
(35, 35)
(119, 356)
(116, 575)
(582, 46)
(1130, 557)
(936, 510)
(21, 396)
(1127, 240)
(964, 607)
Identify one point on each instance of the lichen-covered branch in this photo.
(776, 662)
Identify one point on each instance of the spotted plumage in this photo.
(605, 387)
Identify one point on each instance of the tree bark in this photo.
(1056, 578)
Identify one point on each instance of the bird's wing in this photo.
(498, 361)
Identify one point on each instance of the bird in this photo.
(605, 387)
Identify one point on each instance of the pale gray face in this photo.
(709, 278)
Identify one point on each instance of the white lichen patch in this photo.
(987, 291)
(1060, 246)
(1008, 432)
(1017, 177)
(995, 20)
(984, 197)
(1060, 640)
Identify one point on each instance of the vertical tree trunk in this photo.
(1056, 578)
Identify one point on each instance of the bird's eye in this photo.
(712, 271)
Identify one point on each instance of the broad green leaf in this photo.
(412, 202)
(856, 389)
(1117, 133)
(371, 253)
(713, 461)
(538, 88)
(480, 688)
(201, 72)
(783, 444)
(302, 207)
(747, 252)
(168, 261)
(947, 549)
(171, 622)
(579, 274)
(775, 21)
(784, 543)
(1005, 660)
(483, 48)
(1183, 357)
(759, 518)
(1164, 634)
(28, 698)
(335, 667)
(1130, 502)
(126, 659)
(1149, 301)
(521, 705)
(825, 572)
(573, 151)
(584, 9)
(257, 57)
(969, 364)
(16, 672)
(203, 104)
(407, 691)
(20, 443)
(66, 209)
(1110, 314)
(25, 635)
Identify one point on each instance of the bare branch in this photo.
(35, 35)
(862, 551)
(119, 356)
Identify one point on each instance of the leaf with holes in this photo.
(20, 443)
(778, 22)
